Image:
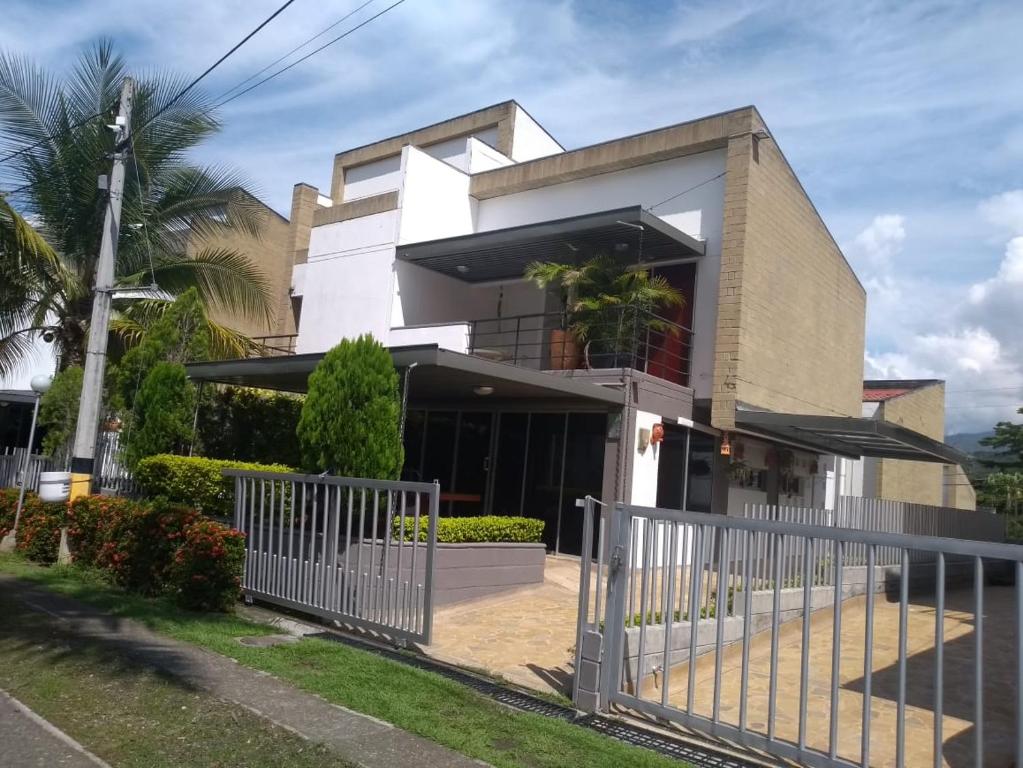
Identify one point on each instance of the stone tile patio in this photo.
(527, 637)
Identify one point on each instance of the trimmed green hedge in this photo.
(483, 529)
(195, 480)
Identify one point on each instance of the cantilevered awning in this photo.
(440, 378)
(848, 436)
(503, 254)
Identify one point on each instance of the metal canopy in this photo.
(440, 376)
(503, 254)
(849, 436)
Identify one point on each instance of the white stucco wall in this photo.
(698, 213)
(483, 157)
(348, 280)
(434, 199)
(373, 178)
(530, 140)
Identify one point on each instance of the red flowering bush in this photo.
(151, 548)
(206, 572)
(39, 529)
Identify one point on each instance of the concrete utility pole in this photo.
(83, 456)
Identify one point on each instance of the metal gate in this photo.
(360, 552)
(728, 626)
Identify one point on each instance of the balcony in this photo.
(622, 337)
(274, 346)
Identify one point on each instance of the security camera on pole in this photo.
(83, 454)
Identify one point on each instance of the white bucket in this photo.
(54, 486)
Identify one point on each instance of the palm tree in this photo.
(166, 197)
(608, 303)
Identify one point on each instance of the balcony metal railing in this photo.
(619, 337)
(275, 346)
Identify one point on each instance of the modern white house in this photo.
(742, 394)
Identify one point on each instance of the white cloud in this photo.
(876, 245)
(1005, 211)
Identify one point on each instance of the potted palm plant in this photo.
(608, 307)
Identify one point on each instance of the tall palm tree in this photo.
(63, 153)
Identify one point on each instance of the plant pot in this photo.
(564, 351)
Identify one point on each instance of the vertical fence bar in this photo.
(939, 659)
(358, 603)
(747, 630)
(775, 610)
(431, 547)
(413, 574)
(900, 725)
(395, 614)
(696, 579)
(836, 652)
(868, 659)
(978, 660)
(720, 612)
(804, 660)
(672, 561)
(582, 615)
(346, 595)
(598, 592)
(648, 549)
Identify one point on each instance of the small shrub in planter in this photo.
(195, 481)
(205, 572)
(482, 529)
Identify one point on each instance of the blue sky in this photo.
(903, 120)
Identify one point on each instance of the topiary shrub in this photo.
(349, 423)
(196, 481)
(244, 424)
(482, 529)
(206, 572)
(162, 413)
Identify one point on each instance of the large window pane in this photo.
(415, 430)
(584, 475)
(510, 464)
(701, 471)
(472, 464)
(543, 471)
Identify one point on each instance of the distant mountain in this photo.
(969, 442)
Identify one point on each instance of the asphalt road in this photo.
(28, 741)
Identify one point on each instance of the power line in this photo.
(685, 191)
(309, 55)
(298, 47)
(217, 63)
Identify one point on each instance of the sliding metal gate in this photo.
(921, 665)
(360, 552)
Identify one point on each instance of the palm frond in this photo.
(131, 325)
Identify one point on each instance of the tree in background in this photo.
(162, 421)
(59, 128)
(349, 423)
(58, 410)
(250, 425)
(1008, 440)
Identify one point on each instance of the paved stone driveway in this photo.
(527, 637)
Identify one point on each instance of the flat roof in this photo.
(17, 396)
(849, 436)
(504, 253)
(439, 376)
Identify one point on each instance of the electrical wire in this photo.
(309, 55)
(650, 209)
(216, 64)
(278, 60)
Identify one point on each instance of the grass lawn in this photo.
(132, 717)
(416, 700)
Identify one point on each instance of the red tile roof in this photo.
(879, 395)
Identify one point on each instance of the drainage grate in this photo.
(525, 702)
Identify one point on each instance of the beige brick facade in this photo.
(791, 314)
(958, 491)
(922, 409)
(269, 252)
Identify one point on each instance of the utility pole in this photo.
(83, 455)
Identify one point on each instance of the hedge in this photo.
(194, 480)
(151, 548)
(483, 529)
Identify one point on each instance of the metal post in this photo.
(83, 455)
(9, 541)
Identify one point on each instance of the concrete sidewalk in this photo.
(363, 740)
(28, 740)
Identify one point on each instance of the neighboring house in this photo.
(271, 253)
(918, 404)
(422, 240)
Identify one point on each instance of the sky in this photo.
(904, 120)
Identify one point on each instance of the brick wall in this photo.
(269, 252)
(921, 482)
(791, 316)
(959, 494)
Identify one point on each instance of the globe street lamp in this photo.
(40, 384)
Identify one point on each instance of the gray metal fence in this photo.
(357, 551)
(11, 463)
(712, 624)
